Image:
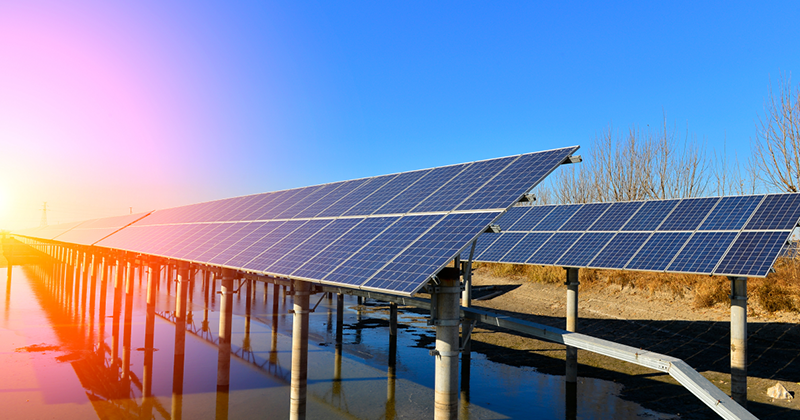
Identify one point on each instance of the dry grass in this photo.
(779, 291)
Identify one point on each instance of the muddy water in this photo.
(68, 352)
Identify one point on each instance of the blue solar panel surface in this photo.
(716, 235)
(388, 233)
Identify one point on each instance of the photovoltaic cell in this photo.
(523, 250)
(285, 245)
(286, 199)
(463, 185)
(658, 251)
(616, 216)
(776, 212)
(388, 191)
(619, 250)
(650, 215)
(344, 247)
(427, 185)
(702, 253)
(517, 179)
(584, 250)
(409, 270)
(307, 201)
(752, 254)
(324, 203)
(232, 233)
(194, 239)
(533, 217)
(500, 246)
(345, 203)
(585, 217)
(381, 249)
(689, 214)
(253, 251)
(256, 232)
(314, 245)
(511, 216)
(556, 218)
(554, 248)
(731, 213)
(483, 243)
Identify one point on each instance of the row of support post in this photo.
(80, 267)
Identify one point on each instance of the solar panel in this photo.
(658, 251)
(556, 218)
(650, 215)
(752, 254)
(702, 253)
(501, 246)
(463, 185)
(619, 250)
(423, 188)
(714, 235)
(616, 216)
(511, 216)
(526, 247)
(528, 220)
(554, 248)
(778, 211)
(411, 268)
(689, 213)
(381, 249)
(584, 250)
(516, 179)
(344, 247)
(731, 213)
(585, 217)
(314, 245)
(378, 197)
(347, 233)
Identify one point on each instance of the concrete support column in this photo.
(739, 340)
(572, 322)
(101, 317)
(224, 359)
(180, 340)
(297, 409)
(149, 338)
(117, 310)
(127, 324)
(391, 384)
(447, 323)
(247, 311)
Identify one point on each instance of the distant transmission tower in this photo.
(44, 215)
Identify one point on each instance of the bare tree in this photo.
(777, 146)
(637, 165)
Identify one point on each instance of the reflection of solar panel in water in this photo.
(716, 235)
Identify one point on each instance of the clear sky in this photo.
(108, 105)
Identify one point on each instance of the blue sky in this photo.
(240, 98)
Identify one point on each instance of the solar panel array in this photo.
(730, 236)
(86, 232)
(388, 233)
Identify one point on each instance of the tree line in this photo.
(647, 164)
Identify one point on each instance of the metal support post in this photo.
(126, 336)
(466, 295)
(299, 351)
(572, 323)
(180, 340)
(392, 374)
(447, 323)
(149, 339)
(739, 340)
(224, 360)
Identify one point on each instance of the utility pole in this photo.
(43, 223)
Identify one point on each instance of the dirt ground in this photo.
(660, 323)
